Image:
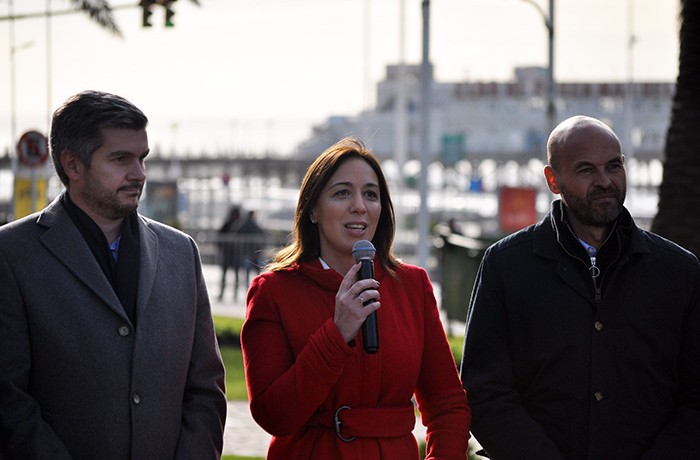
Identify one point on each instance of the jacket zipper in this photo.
(594, 270)
(595, 273)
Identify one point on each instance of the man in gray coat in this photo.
(107, 344)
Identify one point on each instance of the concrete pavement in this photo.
(242, 436)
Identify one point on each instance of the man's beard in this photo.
(595, 215)
(108, 203)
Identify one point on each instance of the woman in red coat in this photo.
(311, 383)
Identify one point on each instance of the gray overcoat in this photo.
(77, 380)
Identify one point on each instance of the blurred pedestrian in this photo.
(108, 348)
(310, 382)
(252, 238)
(453, 226)
(583, 329)
(229, 253)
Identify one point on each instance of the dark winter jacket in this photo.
(558, 366)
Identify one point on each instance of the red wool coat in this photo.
(299, 370)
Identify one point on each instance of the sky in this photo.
(254, 76)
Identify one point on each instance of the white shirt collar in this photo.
(324, 264)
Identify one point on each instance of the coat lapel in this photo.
(64, 241)
(149, 264)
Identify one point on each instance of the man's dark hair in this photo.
(77, 125)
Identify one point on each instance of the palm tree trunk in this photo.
(678, 215)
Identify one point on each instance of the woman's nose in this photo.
(358, 204)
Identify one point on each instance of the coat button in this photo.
(598, 395)
(124, 331)
(598, 326)
(136, 398)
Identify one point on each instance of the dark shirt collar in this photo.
(122, 274)
(93, 235)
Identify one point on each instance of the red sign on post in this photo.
(32, 149)
(517, 208)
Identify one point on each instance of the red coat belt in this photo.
(375, 422)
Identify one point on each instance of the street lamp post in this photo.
(549, 24)
(13, 102)
(400, 130)
(426, 82)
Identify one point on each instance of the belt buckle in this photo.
(338, 424)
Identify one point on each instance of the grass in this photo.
(235, 377)
(225, 324)
(228, 330)
(456, 343)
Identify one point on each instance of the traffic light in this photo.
(146, 6)
(169, 12)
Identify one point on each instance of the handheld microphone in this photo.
(363, 251)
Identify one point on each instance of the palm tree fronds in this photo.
(101, 12)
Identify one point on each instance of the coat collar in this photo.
(327, 279)
(63, 239)
(548, 234)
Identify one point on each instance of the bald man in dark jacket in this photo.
(583, 333)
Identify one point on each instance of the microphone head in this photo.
(363, 250)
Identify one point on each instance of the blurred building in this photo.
(487, 119)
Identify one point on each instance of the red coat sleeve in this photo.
(284, 392)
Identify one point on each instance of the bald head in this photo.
(586, 169)
(574, 133)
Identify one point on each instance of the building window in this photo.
(610, 104)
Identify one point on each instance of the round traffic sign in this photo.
(33, 149)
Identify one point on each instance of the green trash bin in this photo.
(460, 259)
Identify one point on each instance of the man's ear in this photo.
(551, 176)
(72, 165)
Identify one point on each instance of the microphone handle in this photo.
(366, 270)
(370, 334)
